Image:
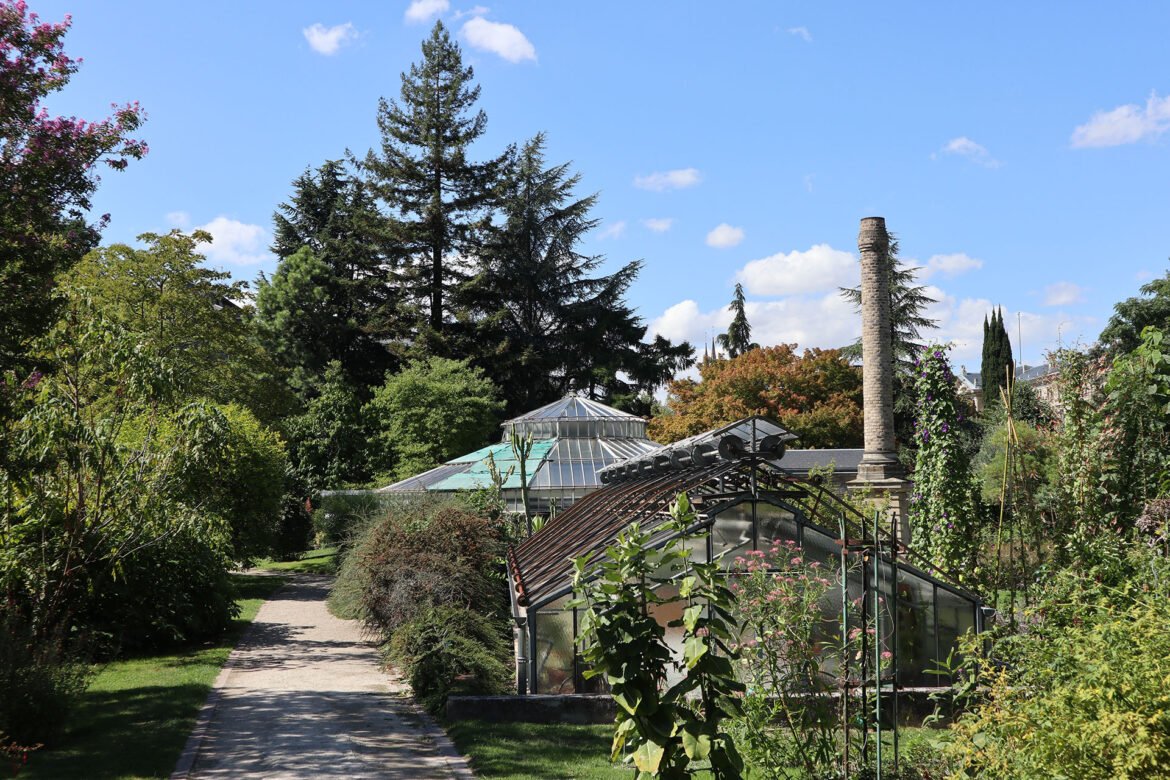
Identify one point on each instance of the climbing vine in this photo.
(942, 513)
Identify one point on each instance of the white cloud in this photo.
(802, 33)
(661, 181)
(614, 230)
(820, 269)
(948, 265)
(327, 40)
(724, 236)
(179, 219)
(235, 243)
(965, 147)
(808, 181)
(498, 38)
(660, 225)
(1063, 294)
(826, 321)
(478, 10)
(420, 11)
(1125, 124)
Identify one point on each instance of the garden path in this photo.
(303, 696)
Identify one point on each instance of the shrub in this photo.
(430, 554)
(1083, 694)
(40, 684)
(451, 650)
(789, 646)
(175, 591)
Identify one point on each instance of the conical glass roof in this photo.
(576, 417)
(573, 439)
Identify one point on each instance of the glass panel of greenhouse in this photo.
(920, 617)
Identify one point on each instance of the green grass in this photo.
(531, 751)
(537, 751)
(135, 717)
(322, 561)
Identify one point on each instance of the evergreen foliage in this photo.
(437, 198)
(330, 298)
(738, 338)
(942, 508)
(997, 360)
(548, 324)
(908, 302)
(329, 439)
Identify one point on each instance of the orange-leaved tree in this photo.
(816, 395)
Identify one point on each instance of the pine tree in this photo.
(437, 199)
(548, 325)
(737, 340)
(908, 301)
(997, 358)
(334, 303)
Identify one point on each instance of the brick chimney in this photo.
(879, 473)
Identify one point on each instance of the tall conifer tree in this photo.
(997, 357)
(437, 198)
(738, 338)
(329, 299)
(548, 323)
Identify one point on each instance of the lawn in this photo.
(322, 561)
(530, 751)
(136, 715)
(537, 751)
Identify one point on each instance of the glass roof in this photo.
(573, 439)
(573, 407)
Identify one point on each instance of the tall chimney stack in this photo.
(879, 470)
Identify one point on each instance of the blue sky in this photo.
(1020, 151)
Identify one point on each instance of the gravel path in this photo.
(302, 696)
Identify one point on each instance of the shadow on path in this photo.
(303, 697)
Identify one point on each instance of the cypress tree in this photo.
(438, 200)
(997, 357)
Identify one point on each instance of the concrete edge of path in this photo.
(457, 763)
(191, 749)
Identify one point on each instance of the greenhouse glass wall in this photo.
(746, 502)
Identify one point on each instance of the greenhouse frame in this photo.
(746, 499)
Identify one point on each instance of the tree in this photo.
(328, 441)
(438, 199)
(1123, 332)
(908, 301)
(997, 358)
(547, 323)
(338, 305)
(432, 411)
(192, 316)
(738, 337)
(48, 172)
(817, 395)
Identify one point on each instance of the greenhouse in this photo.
(573, 439)
(742, 494)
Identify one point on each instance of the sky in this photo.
(1019, 151)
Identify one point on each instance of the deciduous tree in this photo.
(817, 395)
(48, 172)
(430, 412)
